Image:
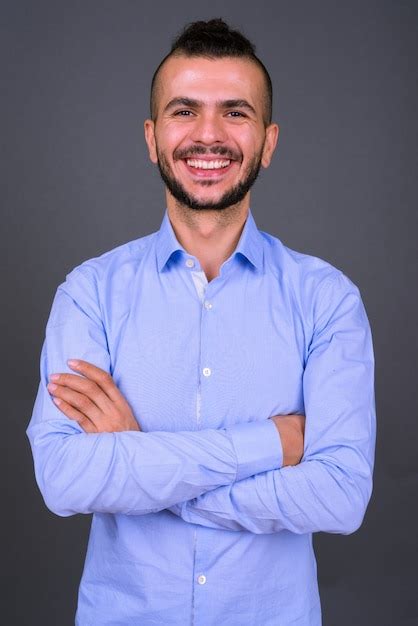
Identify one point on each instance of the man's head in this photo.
(213, 40)
(210, 130)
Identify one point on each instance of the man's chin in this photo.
(206, 204)
(207, 207)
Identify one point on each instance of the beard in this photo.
(231, 197)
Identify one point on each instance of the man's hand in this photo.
(92, 399)
(291, 430)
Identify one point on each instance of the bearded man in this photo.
(206, 392)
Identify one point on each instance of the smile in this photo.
(208, 165)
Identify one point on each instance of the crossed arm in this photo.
(246, 478)
(96, 404)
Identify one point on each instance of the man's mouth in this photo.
(217, 164)
(214, 168)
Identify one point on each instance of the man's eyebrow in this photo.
(222, 104)
(182, 101)
(237, 104)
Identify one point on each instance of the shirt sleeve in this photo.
(126, 472)
(331, 487)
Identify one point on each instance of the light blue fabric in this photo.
(195, 521)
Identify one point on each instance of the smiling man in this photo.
(206, 392)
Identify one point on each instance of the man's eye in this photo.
(236, 114)
(183, 113)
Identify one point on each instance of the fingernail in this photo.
(57, 400)
(52, 387)
(73, 362)
(54, 377)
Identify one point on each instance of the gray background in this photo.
(76, 182)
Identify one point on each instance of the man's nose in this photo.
(209, 129)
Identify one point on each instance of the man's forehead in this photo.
(231, 75)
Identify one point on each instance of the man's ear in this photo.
(270, 143)
(149, 128)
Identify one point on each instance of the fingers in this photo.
(91, 394)
(79, 385)
(75, 415)
(99, 376)
(76, 400)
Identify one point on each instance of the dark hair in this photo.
(214, 39)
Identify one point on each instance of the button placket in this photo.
(206, 386)
(206, 371)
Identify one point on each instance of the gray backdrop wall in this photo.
(77, 182)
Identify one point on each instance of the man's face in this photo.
(209, 138)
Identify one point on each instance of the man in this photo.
(178, 369)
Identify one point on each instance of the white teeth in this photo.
(208, 165)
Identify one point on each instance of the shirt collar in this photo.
(250, 244)
(166, 243)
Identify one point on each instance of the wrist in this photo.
(291, 430)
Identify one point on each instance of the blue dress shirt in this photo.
(195, 521)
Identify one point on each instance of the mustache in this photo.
(192, 151)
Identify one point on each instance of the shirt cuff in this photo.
(258, 447)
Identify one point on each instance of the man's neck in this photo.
(209, 235)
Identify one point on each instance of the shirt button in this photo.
(206, 371)
(190, 263)
(208, 305)
(201, 579)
